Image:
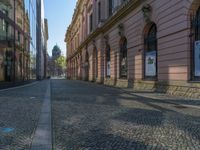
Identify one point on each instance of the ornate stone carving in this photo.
(121, 29)
(147, 10)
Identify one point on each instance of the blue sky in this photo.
(59, 14)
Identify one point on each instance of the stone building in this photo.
(146, 45)
(14, 41)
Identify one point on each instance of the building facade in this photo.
(46, 55)
(14, 41)
(30, 6)
(145, 45)
(41, 42)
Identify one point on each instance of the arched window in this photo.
(197, 27)
(123, 58)
(150, 52)
(95, 63)
(107, 61)
(196, 48)
(87, 66)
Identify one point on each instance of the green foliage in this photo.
(60, 62)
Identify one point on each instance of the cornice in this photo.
(120, 14)
(77, 11)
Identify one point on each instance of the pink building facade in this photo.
(145, 45)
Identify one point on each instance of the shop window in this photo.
(123, 58)
(108, 61)
(196, 46)
(150, 53)
(86, 66)
(95, 63)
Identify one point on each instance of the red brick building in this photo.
(146, 45)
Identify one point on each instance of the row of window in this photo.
(150, 53)
(112, 7)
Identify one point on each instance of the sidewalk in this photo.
(5, 85)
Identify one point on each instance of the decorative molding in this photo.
(121, 29)
(106, 39)
(147, 11)
(112, 21)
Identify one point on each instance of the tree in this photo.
(60, 61)
(60, 65)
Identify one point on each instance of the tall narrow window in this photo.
(99, 12)
(19, 37)
(108, 61)
(123, 58)
(151, 53)
(196, 50)
(95, 63)
(86, 66)
(197, 27)
(91, 22)
(5, 24)
(110, 7)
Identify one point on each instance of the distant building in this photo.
(146, 45)
(56, 53)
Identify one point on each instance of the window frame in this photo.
(110, 7)
(195, 30)
(99, 11)
(123, 50)
(108, 55)
(148, 41)
(91, 22)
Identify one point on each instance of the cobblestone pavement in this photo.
(93, 117)
(19, 114)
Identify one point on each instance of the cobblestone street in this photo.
(87, 116)
(19, 114)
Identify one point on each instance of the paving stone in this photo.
(87, 116)
(20, 110)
